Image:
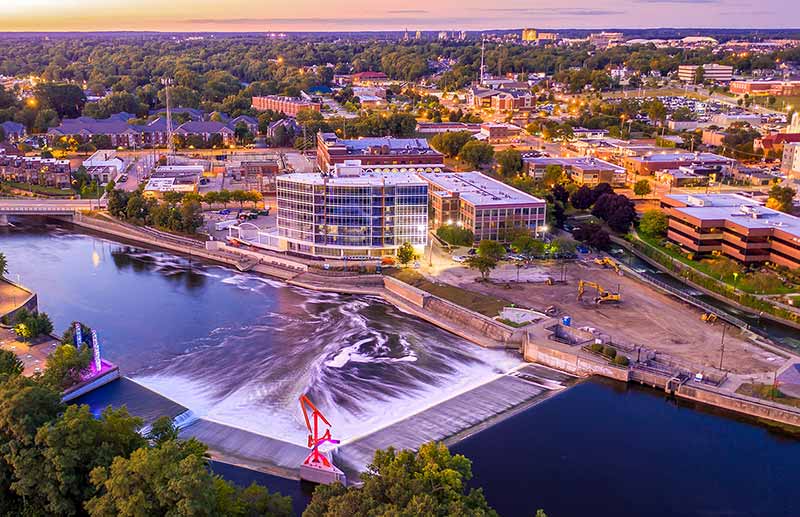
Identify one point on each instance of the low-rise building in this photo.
(289, 106)
(13, 131)
(173, 178)
(732, 225)
(447, 127)
(790, 162)
(106, 158)
(649, 163)
(583, 170)
(775, 88)
(712, 72)
(490, 209)
(332, 150)
(498, 132)
(681, 177)
(350, 212)
(48, 172)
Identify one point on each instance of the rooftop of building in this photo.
(370, 179)
(738, 209)
(583, 162)
(681, 157)
(387, 144)
(479, 189)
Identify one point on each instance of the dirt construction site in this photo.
(645, 316)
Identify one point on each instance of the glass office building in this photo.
(351, 213)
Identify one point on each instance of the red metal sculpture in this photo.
(317, 467)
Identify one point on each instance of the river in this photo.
(238, 350)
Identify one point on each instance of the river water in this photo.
(238, 350)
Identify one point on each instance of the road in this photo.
(34, 204)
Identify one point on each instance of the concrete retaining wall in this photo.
(572, 362)
(82, 389)
(30, 302)
(741, 404)
(407, 292)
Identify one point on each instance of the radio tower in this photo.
(166, 81)
(483, 49)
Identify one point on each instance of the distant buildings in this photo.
(447, 127)
(490, 209)
(606, 39)
(775, 88)
(583, 171)
(289, 106)
(790, 162)
(712, 72)
(501, 99)
(498, 132)
(48, 172)
(734, 226)
(104, 166)
(350, 212)
(536, 36)
(332, 150)
(13, 131)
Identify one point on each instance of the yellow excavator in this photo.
(709, 317)
(602, 294)
(605, 261)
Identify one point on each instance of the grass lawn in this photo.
(39, 189)
(767, 392)
(704, 267)
(481, 303)
(780, 102)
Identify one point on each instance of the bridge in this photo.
(46, 207)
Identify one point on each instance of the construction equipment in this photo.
(602, 294)
(606, 261)
(709, 317)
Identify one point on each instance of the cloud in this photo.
(407, 11)
(679, 1)
(555, 11)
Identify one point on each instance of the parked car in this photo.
(582, 249)
(459, 258)
(226, 211)
(472, 251)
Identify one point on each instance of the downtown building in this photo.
(332, 150)
(350, 212)
(712, 72)
(734, 226)
(488, 208)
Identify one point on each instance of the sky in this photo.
(362, 15)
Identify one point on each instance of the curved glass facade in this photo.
(365, 216)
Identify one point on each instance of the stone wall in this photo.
(482, 324)
(407, 292)
(30, 301)
(572, 361)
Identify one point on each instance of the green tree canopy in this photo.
(428, 482)
(653, 223)
(476, 154)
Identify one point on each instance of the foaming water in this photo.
(239, 349)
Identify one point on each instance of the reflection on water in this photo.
(240, 349)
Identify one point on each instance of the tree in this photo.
(553, 174)
(642, 187)
(3, 265)
(476, 154)
(699, 75)
(781, 198)
(56, 480)
(491, 250)
(582, 198)
(428, 482)
(451, 142)
(527, 245)
(455, 235)
(65, 366)
(406, 253)
(510, 162)
(30, 325)
(484, 265)
(173, 479)
(592, 234)
(653, 223)
(162, 430)
(10, 365)
(616, 210)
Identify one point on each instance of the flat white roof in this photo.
(479, 189)
(737, 209)
(366, 178)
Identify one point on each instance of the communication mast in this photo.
(317, 467)
(167, 82)
(483, 66)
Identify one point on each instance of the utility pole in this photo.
(483, 49)
(722, 343)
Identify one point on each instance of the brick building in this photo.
(734, 226)
(289, 106)
(332, 150)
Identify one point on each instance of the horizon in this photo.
(238, 16)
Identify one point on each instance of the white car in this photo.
(459, 258)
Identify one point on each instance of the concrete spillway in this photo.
(453, 416)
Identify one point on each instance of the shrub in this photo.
(610, 352)
(621, 360)
(596, 347)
